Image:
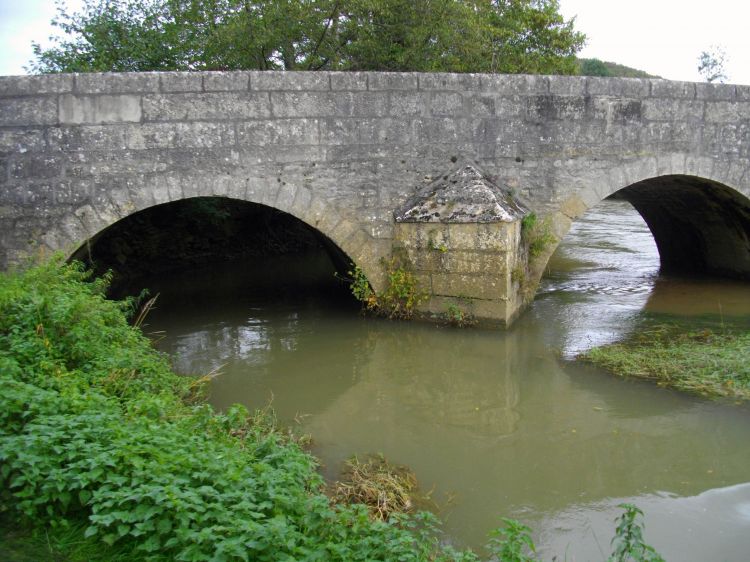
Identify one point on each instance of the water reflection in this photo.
(494, 420)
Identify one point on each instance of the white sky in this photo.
(662, 37)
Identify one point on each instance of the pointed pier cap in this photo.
(465, 196)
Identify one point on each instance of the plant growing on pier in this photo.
(536, 234)
(401, 295)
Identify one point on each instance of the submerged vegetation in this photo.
(704, 362)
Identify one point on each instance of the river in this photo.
(495, 424)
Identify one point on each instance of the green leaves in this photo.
(93, 433)
(389, 35)
(628, 541)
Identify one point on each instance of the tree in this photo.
(594, 67)
(511, 36)
(711, 65)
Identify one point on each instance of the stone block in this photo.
(446, 104)
(476, 263)
(471, 286)
(310, 104)
(405, 104)
(36, 166)
(181, 135)
(656, 109)
(226, 81)
(452, 81)
(713, 92)
(77, 110)
(289, 80)
(350, 81)
(726, 111)
(547, 108)
(742, 93)
(21, 140)
(515, 84)
(367, 104)
(619, 87)
(496, 236)
(393, 81)
(278, 131)
(480, 105)
(567, 85)
(36, 85)
(672, 89)
(190, 107)
(447, 130)
(181, 81)
(86, 137)
(28, 111)
(117, 83)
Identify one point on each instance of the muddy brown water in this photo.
(495, 424)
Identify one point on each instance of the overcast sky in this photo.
(662, 37)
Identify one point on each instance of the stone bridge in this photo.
(347, 152)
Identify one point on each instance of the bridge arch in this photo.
(346, 242)
(696, 210)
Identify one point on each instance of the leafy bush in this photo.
(95, 429)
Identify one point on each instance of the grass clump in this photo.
(703, 362)
(536, 234)
(383, 487)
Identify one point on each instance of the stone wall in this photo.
(341, 151)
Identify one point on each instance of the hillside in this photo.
(596, 67)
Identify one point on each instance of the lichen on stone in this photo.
(465, 196)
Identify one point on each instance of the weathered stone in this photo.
(348, 80)
(77, 110)
(226, 81)
(465, 195)
(36, 85)
(117, 83)
(181, 82)
(208, 106)
(290, 81)
(28, 111)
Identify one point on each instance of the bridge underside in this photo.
(700, 227)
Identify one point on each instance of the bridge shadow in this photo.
(220, 239)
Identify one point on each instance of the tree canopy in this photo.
(506, 36)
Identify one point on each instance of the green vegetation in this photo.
(536, 234)
(455, 316)
(528, 36)
(628, 540)
(705, 363)
(596, 67)
(401, 295)
(98, 438)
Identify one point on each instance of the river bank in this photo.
(98, 435)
